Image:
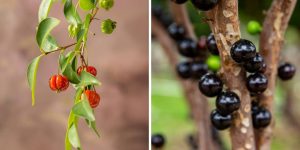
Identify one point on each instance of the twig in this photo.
(225, 26)
(271, 42)
(60, 48)
(196, 101)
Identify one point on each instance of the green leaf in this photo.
(66, 68)
(68, 145)
(71, 14)
(87, 79)
(44, 9)
(92, 125)
(31, 76)
(73, 136)
(43, 33)
(87, 4)
(83, 109)
(50, 43)
(87, 23)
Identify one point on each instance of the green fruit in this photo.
(86, 4)
(106, 4)
(213, 62)
(254, 27)
(73, 30)
(108, 26)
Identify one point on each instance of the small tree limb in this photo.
(224, 23)
(271, 42)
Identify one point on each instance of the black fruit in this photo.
(205, 5)
(242, 50)
(286, 71)
(261, 118)
(228, 102)
(179, 1)
(212, 45)
(163, 16)
(177, 32)
(188, 48)
(263, 69)
(257, 83)
(210, 85)
(198, 69)
(219, 121)
(157, 140)
(184, 70)
(254, 64)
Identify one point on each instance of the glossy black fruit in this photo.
(242, 50)
(212, 44)
(228, 102)
(163, 16)
(254, 64)
(158, 140)
(198, 69)
(257, 83)
(177, 32)
(286, 71)
(210, 85)
(205, 5)
(219, 121)
(179, 1)
(184, 70)
(261, 118)
(188, 48)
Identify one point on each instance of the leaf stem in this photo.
(60, 48)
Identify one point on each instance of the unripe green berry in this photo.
(73, 30)
(106, 4)
(213, 62)
(254, 27)
(108, 26)
(86, 4)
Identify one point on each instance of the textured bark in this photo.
(197, 102)
(224, 23)
(271, 41)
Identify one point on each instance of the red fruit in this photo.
(58, 83)
(93, 97)
(90, 69)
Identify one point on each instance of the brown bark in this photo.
(271, 42)
(197, 102)
(224, 23)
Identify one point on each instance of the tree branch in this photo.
(271, 42)
(225, 26)
(196, 101)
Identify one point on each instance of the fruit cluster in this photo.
(60, 83)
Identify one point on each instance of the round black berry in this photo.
(177, 32)
(286, 71)
(212, 44)
(198, 69)
(242, 50)
(228, 102)
(188, 48)
(254, 64)
(261, 118)
(157, 140)
(163, 16)
(210, 85)
(257, 83)
(179, 1)
(184, 70)
(219, 121)
(205, 5)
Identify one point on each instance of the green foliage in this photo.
(108, 26)
(86, 4)
(45, 41)
(44, 9)
(106, 4)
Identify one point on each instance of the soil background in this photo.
(122, 63)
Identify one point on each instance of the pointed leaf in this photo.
(87, 4)
(71, 14)
(43, 33)
(87, 79)
(65, 64)
(92, 125)
(44, 9)
(73, 136)
(83, 109)
(31, 76)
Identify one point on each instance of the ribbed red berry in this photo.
(58, 83)
(90, 69)
(93, 97)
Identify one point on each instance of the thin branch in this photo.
(224, 23)
(271, 42)
(60, 48)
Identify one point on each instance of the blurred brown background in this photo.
(122, 63)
